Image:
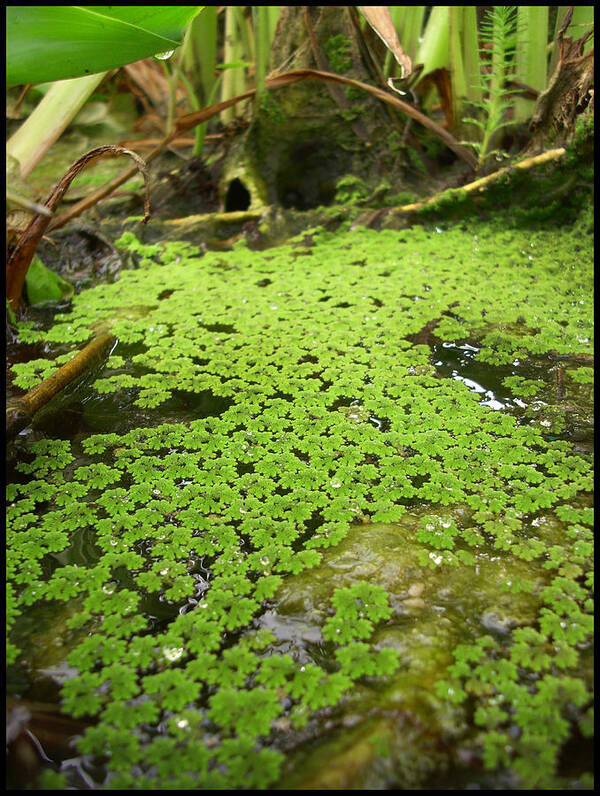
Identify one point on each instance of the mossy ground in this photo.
(317, 471)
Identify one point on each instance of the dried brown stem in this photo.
(22, 255)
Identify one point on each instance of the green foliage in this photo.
(69, 41)
(357, 660)
(582, 375)
(357, 608)
(526, 388)
(28, 374)
(305, 409)
(337, 50)
(350, 189)
(44, 287)
(498, 32)
(529, 684)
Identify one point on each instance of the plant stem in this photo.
(19, 413)
(233, 80)
(46, 123)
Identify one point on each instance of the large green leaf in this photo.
(46, 43)
(44, 287)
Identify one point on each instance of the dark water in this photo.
(458, 361)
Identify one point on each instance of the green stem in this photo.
(532, 35)
(47, 122)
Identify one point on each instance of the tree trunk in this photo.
(305, 137)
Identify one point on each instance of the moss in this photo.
(350, 189)
(337, 50)
(302, 417)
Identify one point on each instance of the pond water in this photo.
(322, 520)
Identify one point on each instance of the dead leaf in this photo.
(380, 20)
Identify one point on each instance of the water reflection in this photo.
(457, 361)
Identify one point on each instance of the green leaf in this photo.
(48, 43)
(44, 287)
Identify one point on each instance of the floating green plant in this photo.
(324, 417)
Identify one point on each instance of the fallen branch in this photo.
(20, 411)
(482, 184)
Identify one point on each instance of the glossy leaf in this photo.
(48, 43)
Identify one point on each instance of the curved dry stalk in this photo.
(380, 20)
(297, 75)
(20, 411)
(22, 255)
(105, 190)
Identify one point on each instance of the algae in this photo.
(328, 478)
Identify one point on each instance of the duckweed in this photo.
(325, 416)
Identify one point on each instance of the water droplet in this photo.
(172, 653)
(164, 56)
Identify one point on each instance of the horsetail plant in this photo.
(498, 36)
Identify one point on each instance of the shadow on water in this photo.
(89, 412)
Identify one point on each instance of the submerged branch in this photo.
(20, 411)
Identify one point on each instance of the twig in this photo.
(20, 412)
(482, 184)
(22, 255)
(560, 390)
